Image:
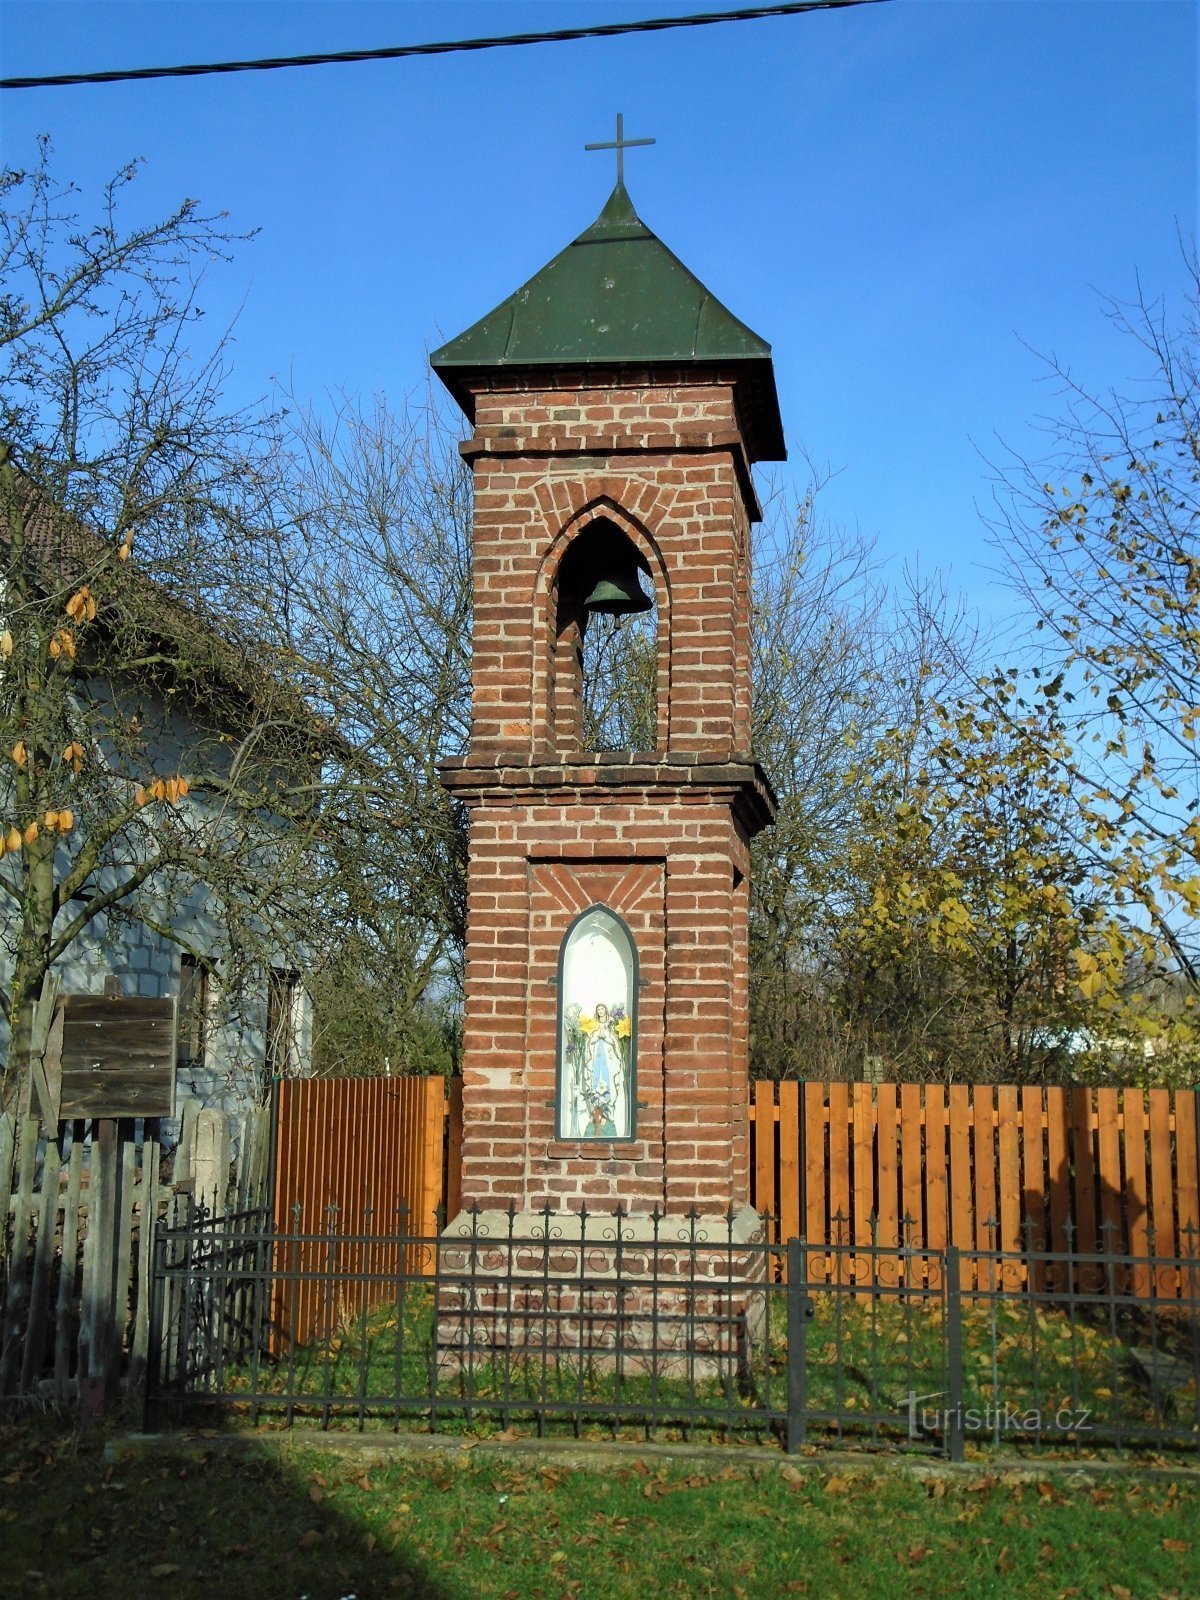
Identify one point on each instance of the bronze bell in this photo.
(617, 593)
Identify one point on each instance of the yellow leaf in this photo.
(31, 833)
(66, 820)
(19, 753)
(13, 839)
(6, 644)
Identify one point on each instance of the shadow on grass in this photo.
(201, 1522)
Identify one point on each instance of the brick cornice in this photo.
(511, 444)
(501, 778)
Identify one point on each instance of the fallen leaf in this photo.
(1177, 1547)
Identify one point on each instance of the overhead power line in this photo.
(604, 30)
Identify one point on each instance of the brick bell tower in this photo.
(617, 409)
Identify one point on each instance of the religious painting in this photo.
(597, 1012)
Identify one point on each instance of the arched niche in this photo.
(606, 673)
(597, 1029)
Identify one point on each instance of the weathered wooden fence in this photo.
(76, 1245)
(1109, 1171)
(351, 1152)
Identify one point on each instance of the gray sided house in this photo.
(188, 701)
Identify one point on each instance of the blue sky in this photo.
(907, 199)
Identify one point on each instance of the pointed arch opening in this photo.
(606, 666)
(597, 1029)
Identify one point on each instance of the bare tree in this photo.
(373, 607)
(150, 747)
(1103, 542)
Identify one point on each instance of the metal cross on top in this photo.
(620, 144)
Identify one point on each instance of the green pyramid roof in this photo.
(617, 296)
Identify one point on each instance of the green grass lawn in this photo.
(866, 1354)
(274, 1521)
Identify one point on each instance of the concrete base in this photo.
(672, 1295)
(708, 1231)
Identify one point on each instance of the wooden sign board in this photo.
(109, 1057)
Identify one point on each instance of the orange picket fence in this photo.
(349, 1153)
(1019, 1173)
(1022, 1171)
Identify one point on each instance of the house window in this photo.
(283, 1043)
(192, 1021)
(597, 1028)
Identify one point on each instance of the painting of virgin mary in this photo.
(596, 1035)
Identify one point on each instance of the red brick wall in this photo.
(663, 843)
(666, 464)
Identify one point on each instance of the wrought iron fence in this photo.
(636, 1326)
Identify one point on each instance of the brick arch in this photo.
(604, 506)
